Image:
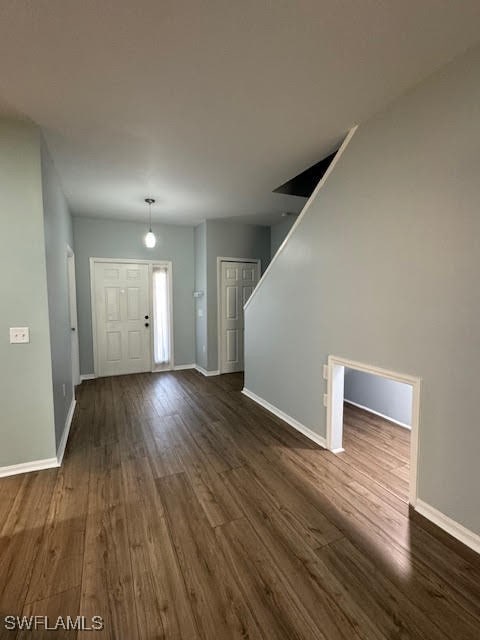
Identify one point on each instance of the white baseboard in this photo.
(311, 435)
(87, 376)
(377, 413)
(177, 367)
(204, 372)
(47, 463)
(26, 467)
(66, 430)
(458, 531)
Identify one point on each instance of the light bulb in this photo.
(150, 240)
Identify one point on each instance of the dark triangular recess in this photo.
(304, 184)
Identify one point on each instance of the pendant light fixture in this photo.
(150, 239)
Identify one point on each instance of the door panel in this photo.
(232, 345)
(134, 274)
(237, 282)
(133, 303)
(232, 306)
(248, 274)
(121, 297)
(114, 346)
(111, 274)
(247, 292)
(112, 303)
(231, 273)
(134, 345)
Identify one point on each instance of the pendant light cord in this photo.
(150, 239)
(149, 201)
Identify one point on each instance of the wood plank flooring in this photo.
(185, 511)
(378, 448)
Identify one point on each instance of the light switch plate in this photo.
(19, 335)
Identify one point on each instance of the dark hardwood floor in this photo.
(183, 510)
(378, 448)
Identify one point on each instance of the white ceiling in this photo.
(209, 105)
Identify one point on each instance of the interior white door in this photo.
(238, 280)
(122, 318)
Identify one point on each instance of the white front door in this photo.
(122, 318)
(238, 280)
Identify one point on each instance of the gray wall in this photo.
(201, 303)
(26, 405)
(98, 238)
(229, 240)
(58, 234)
(279, 231)
(383, 269)
(388, 397)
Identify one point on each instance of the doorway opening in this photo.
(372, 422)
(236, 280)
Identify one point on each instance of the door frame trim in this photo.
(73, 313)
(335, 397)
(150, 264)
(221, 259)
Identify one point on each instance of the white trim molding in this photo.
(303, 212)
(182, 367)
(204, 372)
(46, 463)
(87, 376)
(380, 415)
(26, 467)
(306, 431)
(66, 430)
(458, 531)
(73, 316)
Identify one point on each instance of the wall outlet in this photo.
(19, 335)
